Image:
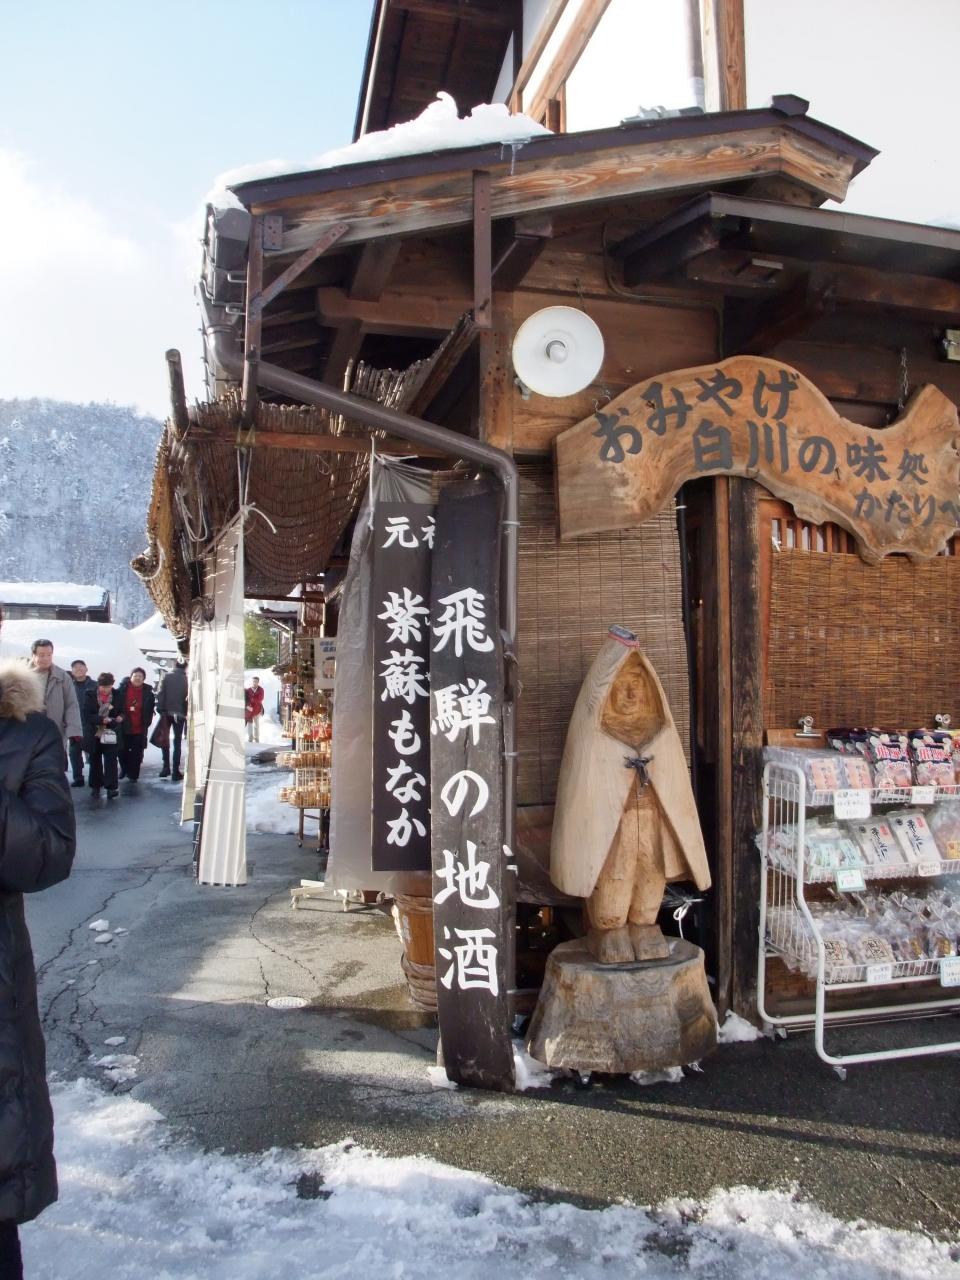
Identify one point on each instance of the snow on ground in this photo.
(136, 1202)
(153, 636)
(265, 813)
(76, 594)
(103, 646)
(437, 128)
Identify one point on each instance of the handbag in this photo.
(108, 737)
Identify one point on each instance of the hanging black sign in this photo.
(466, 704)
(403, 541)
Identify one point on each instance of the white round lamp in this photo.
(557, 351)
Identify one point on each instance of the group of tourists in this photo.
(106, 725)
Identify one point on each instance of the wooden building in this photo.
(689, 240)
(65, 601)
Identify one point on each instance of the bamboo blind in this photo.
(570, 593)
(858, 644)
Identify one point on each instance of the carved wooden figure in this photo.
(625, 821)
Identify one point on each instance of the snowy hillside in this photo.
(74, 486)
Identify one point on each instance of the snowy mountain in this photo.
(74, 486)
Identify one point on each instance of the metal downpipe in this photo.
(380, 418)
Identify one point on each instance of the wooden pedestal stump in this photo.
(619, 1018)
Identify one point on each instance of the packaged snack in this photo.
(889, 755)
(914, 836)
(876, 841)
(822, 769)
(944, 821)
(931, 753)
(856, 772)
(871, 948)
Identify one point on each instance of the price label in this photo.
(879, 972)
(850, 879)
(923, 795)
(928, 868)
(950, 971)
(851, 802)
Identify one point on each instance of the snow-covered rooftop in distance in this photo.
(437, 128)
(155, 635)
(66, 593)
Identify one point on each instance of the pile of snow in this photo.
(73, 594)
(103, 646)
(134, 1202)
(735, 1030)
(437, 128)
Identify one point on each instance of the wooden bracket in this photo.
(296, 268)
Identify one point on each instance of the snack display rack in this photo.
(310, 760)
(789, 929)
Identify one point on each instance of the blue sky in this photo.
(115, 118)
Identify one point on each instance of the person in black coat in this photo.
(37, 844)
(138, 703)
(82, 683)
(102, 715)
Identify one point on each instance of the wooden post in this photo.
(178, 395)
(724, 55)
(724, 868)
(482, 251)
(746, 740)
(253, 321)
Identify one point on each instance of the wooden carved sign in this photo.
(894, 489)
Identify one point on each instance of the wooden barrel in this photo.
(413, 917)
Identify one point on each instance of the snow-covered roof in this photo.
(103, 646)
(75, 595)
(437, 128)
(154, 635)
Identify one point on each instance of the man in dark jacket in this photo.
(172, 704)
(37, 844)
(137, 700)
(82, 682)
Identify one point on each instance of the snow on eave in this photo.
(437, 128)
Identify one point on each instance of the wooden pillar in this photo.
(252, 321)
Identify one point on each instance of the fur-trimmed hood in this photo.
(21, 690)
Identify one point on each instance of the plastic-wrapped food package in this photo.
(944, 821)
(876, 841)
(889, 755)
(931, 753)
(913, 834)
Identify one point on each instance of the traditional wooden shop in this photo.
(757, 484)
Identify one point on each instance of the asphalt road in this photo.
(187, 986)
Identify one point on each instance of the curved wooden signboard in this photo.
(894, 489)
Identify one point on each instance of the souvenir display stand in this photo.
(310, 761)
(792, 922)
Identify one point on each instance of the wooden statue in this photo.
(625, 821)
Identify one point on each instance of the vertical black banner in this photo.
(466, 704)
(403, 543)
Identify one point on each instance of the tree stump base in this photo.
(643, 1016)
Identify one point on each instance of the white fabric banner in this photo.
(217, 753)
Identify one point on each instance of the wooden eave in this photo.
(417, 48)
(415, 194)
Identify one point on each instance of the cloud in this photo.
(89, 307)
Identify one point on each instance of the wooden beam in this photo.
(404, 313)
(724, 55)
(926, 298)
(664, 250)
(345, 348)
(296, 268)
(178, 395)
(433, 201)
(517, 245)
(567, 56)
(453, 10)
(529, 63)
(317, 442)
(443, 366)
(778, 320)
(372, 272)
(482, 251)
